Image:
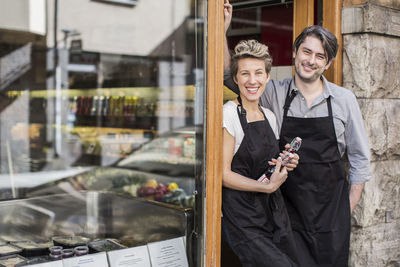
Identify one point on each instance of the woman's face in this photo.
(251, 78)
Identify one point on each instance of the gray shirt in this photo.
(349, 126)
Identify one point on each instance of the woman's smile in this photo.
(252, 90)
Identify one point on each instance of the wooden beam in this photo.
(303, 15)
(215, 41)
(332, 18)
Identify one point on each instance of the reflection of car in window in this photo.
(170, 154)
(162, 169)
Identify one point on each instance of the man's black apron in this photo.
(257, 223)
(316, 192)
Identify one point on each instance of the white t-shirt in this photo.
(231, 122)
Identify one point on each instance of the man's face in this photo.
(310, 60)
(251, 78)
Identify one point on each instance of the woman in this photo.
(254, 214)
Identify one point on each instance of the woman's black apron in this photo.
(257, 223)
(316, 192)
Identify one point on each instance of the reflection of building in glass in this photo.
(89, 87)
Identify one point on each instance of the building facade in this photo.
(371, 48)
(111, 116)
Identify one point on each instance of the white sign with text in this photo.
(129, 257)
(91, 260)
(168, 253)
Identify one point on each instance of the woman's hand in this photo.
(278, 177)
(293, 163)
(227, 15)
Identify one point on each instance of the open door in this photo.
(269, 22)
(275, 23)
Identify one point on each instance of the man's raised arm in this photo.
(227, 22)
(228, 80)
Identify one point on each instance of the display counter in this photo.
(129, 221)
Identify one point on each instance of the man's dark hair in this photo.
(328, 39)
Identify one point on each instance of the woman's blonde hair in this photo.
(250, 49)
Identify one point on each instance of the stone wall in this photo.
(371, 69)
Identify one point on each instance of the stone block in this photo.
(377, 245)
(380, 201)
(386, 3)
(375, 238)
(371, 65)
(382, 123)
(371, 18)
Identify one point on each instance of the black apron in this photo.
(317, 192)
(257, 223)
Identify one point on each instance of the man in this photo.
(328, 119)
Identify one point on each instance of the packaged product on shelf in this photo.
(70, 241)
(67, 253)
(175, 146)
(81, 250)
(33, 261)
(45, 244)
(104, 245)
(9, 249)
(55, 250)
(99, 107)
(30, 248)
(106, 106)
(189, 148)
(11, 260)
(95, 104)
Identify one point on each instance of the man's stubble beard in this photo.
(317, 75)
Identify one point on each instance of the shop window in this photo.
(101, 127)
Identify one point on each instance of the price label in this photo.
(129, 257)
(91, 260)
(168, 253)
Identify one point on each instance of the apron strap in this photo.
(243, 120)
(289, 99)
(328, 103)
(328, 100)
(242, 114)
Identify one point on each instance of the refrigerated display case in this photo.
(90, 216)
(101, 221)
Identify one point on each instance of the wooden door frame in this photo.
(332, 20)
(214, 98)
(213, 162)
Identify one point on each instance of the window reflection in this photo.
(94, 96)
(101, 123)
